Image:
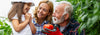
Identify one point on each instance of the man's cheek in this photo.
(58, 17)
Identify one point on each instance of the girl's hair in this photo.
(17, 8)
(48, 17)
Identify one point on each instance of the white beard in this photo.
(57, 21)
(61, 19)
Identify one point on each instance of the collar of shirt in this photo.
(44, 22)
(71, 25)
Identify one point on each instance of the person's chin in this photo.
(24, 12)
(39, 17)
(54, 22)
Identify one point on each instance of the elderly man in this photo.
(62, 17)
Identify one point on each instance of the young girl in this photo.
(21, 20)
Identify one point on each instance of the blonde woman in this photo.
(42, 15)
(21, 20)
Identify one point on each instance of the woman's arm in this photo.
(32, 26)
(20, 26)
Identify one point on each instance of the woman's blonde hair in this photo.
(49, 17)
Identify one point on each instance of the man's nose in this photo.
(53, 15)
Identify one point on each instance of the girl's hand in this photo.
(27, 16)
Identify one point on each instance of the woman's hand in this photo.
(32, 26)
(30, 20)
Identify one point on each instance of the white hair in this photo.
(70, 7)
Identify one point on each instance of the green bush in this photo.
(4, 27)
(87, 13)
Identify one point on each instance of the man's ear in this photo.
(66, 16)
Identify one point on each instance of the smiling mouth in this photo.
(39, 14)
(54, 19)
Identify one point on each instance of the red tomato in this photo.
(49, 26)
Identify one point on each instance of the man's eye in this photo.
(56, 11)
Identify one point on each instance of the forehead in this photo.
(44, 5)
(60, 8)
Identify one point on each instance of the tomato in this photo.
(49, 26)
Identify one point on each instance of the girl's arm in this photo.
(20, 26)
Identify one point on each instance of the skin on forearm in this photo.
(19, 26)
(33, 29)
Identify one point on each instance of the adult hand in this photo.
(55, 31)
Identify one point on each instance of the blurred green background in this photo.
(87, 13)
(5, 29)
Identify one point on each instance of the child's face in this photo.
(26, 7)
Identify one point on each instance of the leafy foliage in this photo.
(87, 13)
(4, 27)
